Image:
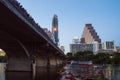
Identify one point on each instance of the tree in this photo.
(101, 58)
(83, 56)
(78, 56)
(115, 58)
(69, 56)
(88, 55)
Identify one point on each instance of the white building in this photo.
(105, 47)
(76, 40)
(108, 47)
(90, 41)
(83, 47)
(118, 49)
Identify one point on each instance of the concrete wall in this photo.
(53, 61)
(48, 61)
(24, 64)
(41, 61)
(19, 64)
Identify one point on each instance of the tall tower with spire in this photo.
(55, 29)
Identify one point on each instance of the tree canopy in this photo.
(99, 58)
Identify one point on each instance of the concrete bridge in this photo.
(24, 40)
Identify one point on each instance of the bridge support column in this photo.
(59, 62)
(19, 64)
(53, 61)
(41, 61)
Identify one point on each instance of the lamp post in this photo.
(2, 56)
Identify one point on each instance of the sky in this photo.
(104, 15)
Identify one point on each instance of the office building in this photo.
(75, 40)
(90, 41)
(55, 29)
(107, 47)
(83, 47)
(118, 49)
(90, 35)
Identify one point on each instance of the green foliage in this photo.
(3, 58)
(83, 56)
(115, 58)
(100, 58)
(69, 56)
(99, 79)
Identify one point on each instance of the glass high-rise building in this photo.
(55, 29)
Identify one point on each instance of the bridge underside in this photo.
(23, 45)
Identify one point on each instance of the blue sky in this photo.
(104, 15)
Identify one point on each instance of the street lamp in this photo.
(2, 53)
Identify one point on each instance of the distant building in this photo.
(55, 29)
(118, 49)
(90, 41)
(62, 48)
(90, 35)
(76, 40)
(83, 47)
(50, 35)
(74, 48)
(107, 47)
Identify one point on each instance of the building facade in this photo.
(83, 47)
(118, 49)
(90, 41)
(108, 47)
(75, 40)
(55, 29)
(90, 35)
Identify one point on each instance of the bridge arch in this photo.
(22, 39)
(12, 46)
(18, 58)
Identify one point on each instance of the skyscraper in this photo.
(90, 35)
(90, 41)
(55, 29)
